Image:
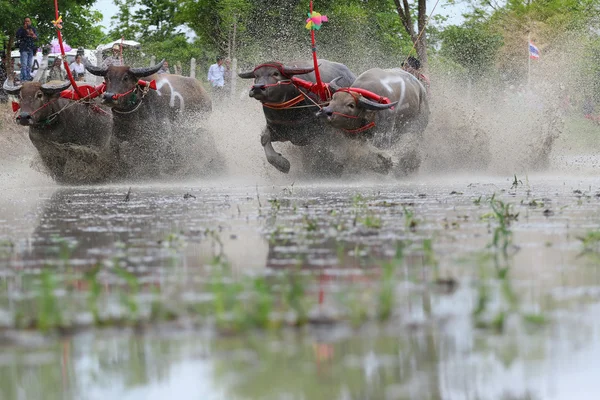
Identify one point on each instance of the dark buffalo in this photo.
(290, 110)
(154, 128)
(407, 112)
(73, 139)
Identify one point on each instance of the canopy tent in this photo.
(125, 43)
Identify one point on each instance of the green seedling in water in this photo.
(502, 237)
(385, 306)
(91, 277)
(477, 201)
(516, 182)
(129, 298)
(275, 205)
(49, 315)
(410, 221)
(295, 298)
(535, 319)
(591, 241)
(310, 224)
(371, 221)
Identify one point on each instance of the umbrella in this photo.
(55, 47)
(125, 43)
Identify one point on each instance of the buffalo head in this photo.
(350, 110)
(122, 82)
(36, 100)
(272, 81)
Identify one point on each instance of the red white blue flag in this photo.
(534, 52)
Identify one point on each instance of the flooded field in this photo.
(429, 288)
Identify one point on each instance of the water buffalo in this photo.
(155, 129)
(290, 110)
(363, 115)
(73, 139)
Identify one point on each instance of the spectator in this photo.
(26, 35)
(78, 69)
(165, 68)
(56, 73)
(216, 74)
(115, 58)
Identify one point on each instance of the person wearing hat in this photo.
(413, 66)
(115, 58)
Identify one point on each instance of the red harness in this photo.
(355, 92)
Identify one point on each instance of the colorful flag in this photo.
(534, 52)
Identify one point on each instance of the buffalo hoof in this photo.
(280, 162)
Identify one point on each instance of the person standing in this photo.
(216, 74)
(78, 69)
(26, 35)
(165, 68)
(56, 73)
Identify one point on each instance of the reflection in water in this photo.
(430, 349)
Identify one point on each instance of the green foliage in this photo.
(473, 47)
(80, 23)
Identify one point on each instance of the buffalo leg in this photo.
(274, 158)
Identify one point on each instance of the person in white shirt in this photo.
(78, 69)
(216, 74)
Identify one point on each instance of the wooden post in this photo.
(233, 77)
(178, 69)
(152, 61)
(193, 68)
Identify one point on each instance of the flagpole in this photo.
(320, 86)
(528, 59)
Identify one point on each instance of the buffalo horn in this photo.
(147, 71)
(11, 89)
(373, 105)
(246, 75)
(98, 71)
(289, 71)
(333, 87)
(52, 88)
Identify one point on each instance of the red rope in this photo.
(286, 104)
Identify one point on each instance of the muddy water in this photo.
(435, 346)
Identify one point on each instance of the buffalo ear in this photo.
(246, 75)
(50, 89)
(14, 90)
(373, 105)
(98, 71)
(147, 71)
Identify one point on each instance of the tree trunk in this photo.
(7, 57)
(416, 36)
(421, 43)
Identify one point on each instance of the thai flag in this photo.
(534, 52)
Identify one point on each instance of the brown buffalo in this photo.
(384, 125)
(290, 110)
(154, 128)
(73, 139)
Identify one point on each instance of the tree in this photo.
(418, 37)
(472, 46)
(156, 18)
(80, 24)
(124, 26)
